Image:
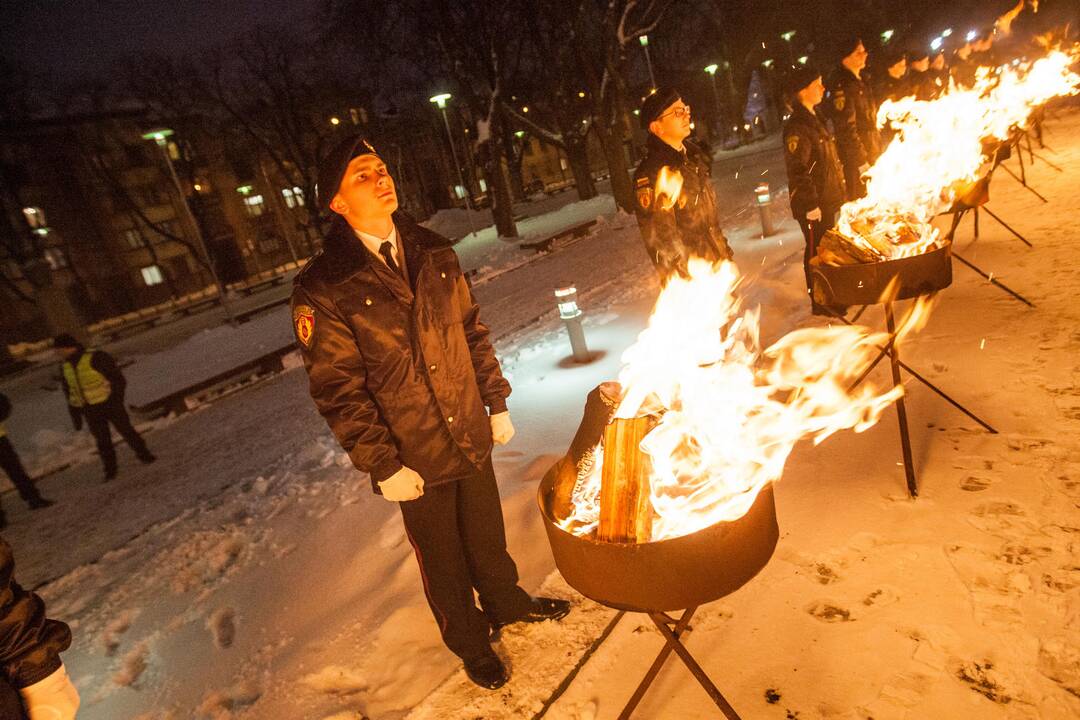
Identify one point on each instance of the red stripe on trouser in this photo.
(443, 620)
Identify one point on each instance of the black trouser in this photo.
(812, 232)
(856, 188)
(457, 532)
(98, 418)
(11, 705)
(9, 462)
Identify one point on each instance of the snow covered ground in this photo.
(250, 573)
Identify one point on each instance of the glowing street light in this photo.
(160, 136)
(936, 43)
(711, 70)
(788, 35)
(971, 35)
(804, 59)
(887, 35)
(644, 40)
(440, 102)
(335, 121)
(946, 32)
(768, 63)
(571, 315)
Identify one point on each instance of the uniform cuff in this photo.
(384, 470)
(497, 406)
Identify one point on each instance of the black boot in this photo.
(147, 457)
(487, 671)
(542, 609)
(39, 502)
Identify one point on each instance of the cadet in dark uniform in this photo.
(94, 387)
(815, 175)
(939, 73)
(853, 113)
(34, 683)
(401, 368)
(962, 68)
(920, 81)
(892, 80)
(689, 227)
(10, 464)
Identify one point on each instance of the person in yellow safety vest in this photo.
(10, 463)
(94, 387)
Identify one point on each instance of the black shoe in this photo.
(147, 458)
(40, 502)
(542, 609)
(487, 671)
(110, 474)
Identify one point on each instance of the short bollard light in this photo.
(570, 313)
(764, 200)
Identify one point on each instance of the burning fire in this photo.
(938, 152)
(669, 184)
(729, 412)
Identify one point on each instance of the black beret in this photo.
(656, 103)
(892, 55)
(798, 77)
(334, 165)
(846, 44)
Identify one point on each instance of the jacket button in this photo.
(433, 368)
(443, 275)
(367, 301)
(450, 419)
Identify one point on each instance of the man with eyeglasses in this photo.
(676, 225)
(853, 113)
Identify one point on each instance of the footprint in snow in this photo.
(827, 612)
(974, 484)
(983, 678)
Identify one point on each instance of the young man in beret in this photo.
(853, 113)
(815, 175)
(688, 226)
(401, 368)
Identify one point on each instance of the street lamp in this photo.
(788, 35)
(887, 36)
(160, 137)
(644, 40)
(711, 70)
(571, 315)
(440, 101)
(764, 200)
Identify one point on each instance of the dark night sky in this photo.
(73, 39)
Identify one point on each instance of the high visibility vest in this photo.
(86, 386)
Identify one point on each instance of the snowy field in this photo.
(251, 574)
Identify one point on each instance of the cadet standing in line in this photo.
(94, 387)
(920, 80)
(401, 368)
(853, 112)
(815, 175)
(892, 83)
(690, 227)
(10, 463)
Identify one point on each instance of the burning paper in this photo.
(729, 413)
(938, 153)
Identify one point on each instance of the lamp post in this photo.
(644, 40)
(764, 200)
(440, 101)
(711, 70)
(570, 314)
(159, 136)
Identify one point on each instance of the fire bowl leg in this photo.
(674, 644)
(901, 409)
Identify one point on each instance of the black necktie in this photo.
(387, 252)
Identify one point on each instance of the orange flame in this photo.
(669, 184)
(938, 151)
(730, 412)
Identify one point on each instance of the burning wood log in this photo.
(626, 512)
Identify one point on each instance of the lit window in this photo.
(35, 217)
(55, 258)
(254, 205)
(133, 238)
(151, 275)
(294, 197)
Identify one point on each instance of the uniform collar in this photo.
(665, 151)
(374, 242)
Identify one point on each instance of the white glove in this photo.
(404, 485)
(814, 215)
(53, 698)
(501, 428)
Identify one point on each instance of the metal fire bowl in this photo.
(670, 574)
(865, 283)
